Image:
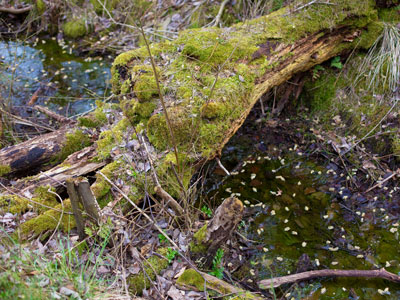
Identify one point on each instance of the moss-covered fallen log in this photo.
(212, 77)
(43, 151)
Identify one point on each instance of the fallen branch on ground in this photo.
(15, 11)
(278, 281)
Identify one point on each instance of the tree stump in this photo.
(214, 234)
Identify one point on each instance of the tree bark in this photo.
(31, 155)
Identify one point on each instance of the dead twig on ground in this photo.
(16, 11)
(278, 281)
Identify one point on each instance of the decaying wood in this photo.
(89, 201)
(74, 198)
(77, 164)
(219, 229)
(275, 282)
(33, 154)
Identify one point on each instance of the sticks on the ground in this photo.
(16, 11)
(53, 115)
(275, 282)
(171, 202)
(79, 192)
(74, 198)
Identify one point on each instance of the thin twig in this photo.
(222, 166)
(379, 184)
(153, 64)
(278, 281)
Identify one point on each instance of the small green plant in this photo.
(133, 172)
(336, 63)
(207, 211)
(241, 224)
(217, 268)
(171, 253)
(315, 72)
(162, 239)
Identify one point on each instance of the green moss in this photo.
(74, 142)
(98, 7)
(137, 111)
(126, 87)
(197, 245)
(145, 87)
(390, 15)
(370, 34)
(48, 221)
(168, 178)
(152, 267)
(13, 204)
(211, 110)
(193, 278)
(182, 127)
(40, 6)
(101, 187)
(322, 92)
(75, 28)
(43, 196)
(110, 138)
(19, 205)
(94, 119)
(4, 170)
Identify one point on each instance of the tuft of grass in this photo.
(29, 274)
(381, 66)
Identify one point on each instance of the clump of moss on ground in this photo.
(101, 187)
(41, 201)
(152, 267)
(110, 138)
(49, 220)
(94, 119)
(75, 28)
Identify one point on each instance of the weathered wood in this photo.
(89, 201)
(32, 154)
(77, 164)
(213, 235)
(74, 198)
(275, 282)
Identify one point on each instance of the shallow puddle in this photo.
(297, 212)
(66, 83)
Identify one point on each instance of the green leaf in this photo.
(336, 63)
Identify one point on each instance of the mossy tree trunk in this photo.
(211, 77)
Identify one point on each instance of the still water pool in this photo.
(299, 218)
(62, 81)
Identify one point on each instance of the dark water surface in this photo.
(64, 82)
(298, 209)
